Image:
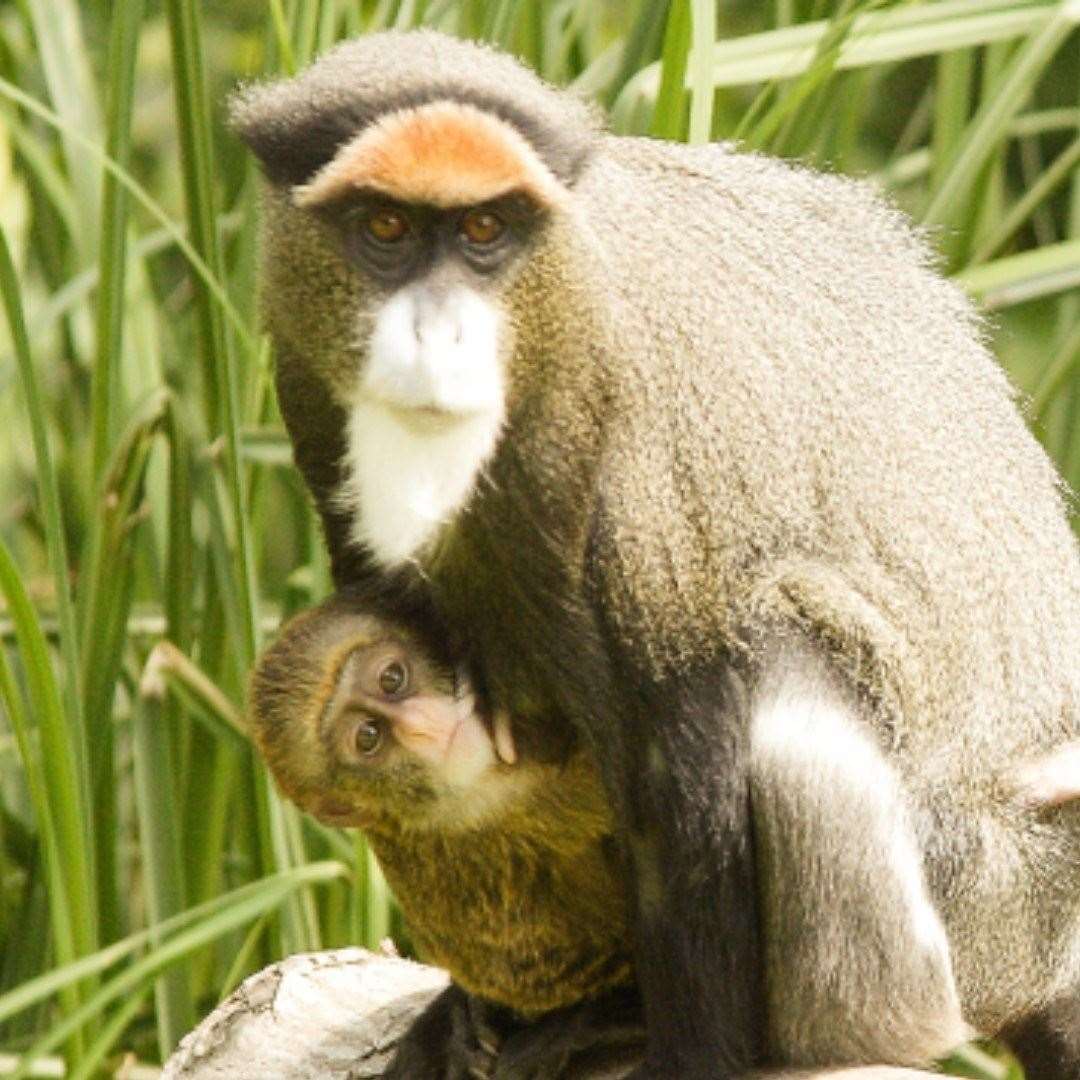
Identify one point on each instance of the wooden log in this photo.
(338, 1016)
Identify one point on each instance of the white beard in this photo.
(406, 476)
(425, 419)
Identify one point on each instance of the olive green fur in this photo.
(524, 908)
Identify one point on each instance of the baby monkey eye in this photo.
(387, 226)
(369, 737)
(482, 227)
(394, 679)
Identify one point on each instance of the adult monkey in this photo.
(659, 431)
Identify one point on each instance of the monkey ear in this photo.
(286, 130)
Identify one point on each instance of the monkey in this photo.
(697, 451)
(503, 864)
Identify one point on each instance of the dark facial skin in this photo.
(394, 242)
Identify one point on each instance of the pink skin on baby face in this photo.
(387, 699)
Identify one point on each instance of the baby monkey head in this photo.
(363, 726)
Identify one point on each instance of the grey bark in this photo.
(338, 1016)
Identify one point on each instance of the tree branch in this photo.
(339, 1015)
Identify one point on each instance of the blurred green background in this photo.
(152, 530)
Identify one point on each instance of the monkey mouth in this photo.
(429, 417)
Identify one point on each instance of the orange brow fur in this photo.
(444, 154)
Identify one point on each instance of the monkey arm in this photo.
(681, 790)
(676, 764)
(694, 880)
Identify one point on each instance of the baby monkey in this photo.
(496, 841)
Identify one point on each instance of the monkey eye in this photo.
(394, 679)
(369, 737)
(387, 226)
(482, 227)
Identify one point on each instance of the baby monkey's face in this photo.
(392, 705)
(361, 725)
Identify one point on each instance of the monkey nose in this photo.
(428, 735)
(437, 318)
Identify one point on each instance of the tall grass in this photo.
(152, 530)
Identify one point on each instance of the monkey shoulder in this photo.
(809, 390)
(717, 183)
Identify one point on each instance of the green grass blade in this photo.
(601, 74)
(669, 116)
(699, 70)
(59, 764)
(1062, 168)
(1027, 276)
(192, 113)
(501, 22)
(952, 107)
(53, 788)
(63, 933)
(64, 57)
(180, 568)
(767, 124)
(282, 39)
(53, 982)
(118, 491)
(218, 360)
(1068, 313)
(1041, 121)
(157, 809)
(117, 1024)
(43, 167)
(210, 280)
(374, 902)
(174, 949)
(1063, 366)
(64, 725)
(241, 962)
(104, 605)
(878, 37)
(123, 46)
(168, 668)
(645, 41)
(991, 121)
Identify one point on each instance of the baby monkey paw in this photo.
(457, 1037)
(604, 1037)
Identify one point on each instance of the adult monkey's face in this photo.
(422, 224)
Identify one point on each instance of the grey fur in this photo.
(749, 411)
(868, 480)
(296, 126)
(842, 885)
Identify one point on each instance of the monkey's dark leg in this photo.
(679, 778)
(1048, 1043)
(591, 1038)
(858, 964)
(454, 1038)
